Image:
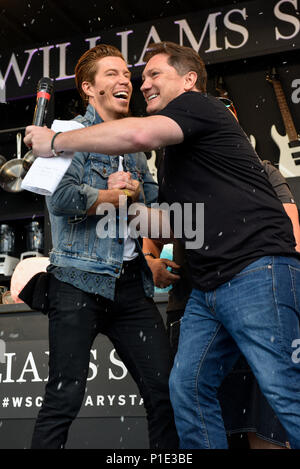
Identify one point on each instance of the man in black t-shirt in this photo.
(246, 276)
(244, 408)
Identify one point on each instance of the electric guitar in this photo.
(289, 144)
(152, 165)
(219, 86)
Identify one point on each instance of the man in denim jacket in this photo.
(101, 284)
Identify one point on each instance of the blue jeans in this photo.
(257, 313)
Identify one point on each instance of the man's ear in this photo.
(190, 80)
(87, 88)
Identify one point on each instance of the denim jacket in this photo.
(74, 236)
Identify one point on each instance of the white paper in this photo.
(46, 173)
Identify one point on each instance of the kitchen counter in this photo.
(15, 308)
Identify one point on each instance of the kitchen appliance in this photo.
(7, 246)
(27, 254)
(34, 240)
(7, 239)
(7, 264)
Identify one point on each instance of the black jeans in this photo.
(75, 318)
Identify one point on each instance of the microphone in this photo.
(101, 92)
(44, 91)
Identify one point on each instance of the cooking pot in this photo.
(28, 160)
(12, 172)
(2, 160)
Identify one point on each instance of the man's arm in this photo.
(292, 212)
(285, 196)
(127, 135)
(162, 277)
(112, 195)
(73, 197)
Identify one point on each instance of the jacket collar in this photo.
(92, 115)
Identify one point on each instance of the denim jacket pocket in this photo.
(99, 174)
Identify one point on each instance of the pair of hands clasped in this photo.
(123, 180)
(161, 276)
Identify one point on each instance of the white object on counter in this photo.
(23, 272)
(7, 264)
(46, 173)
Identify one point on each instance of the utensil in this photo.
(12, 172)
(2, 160)
(28, 160)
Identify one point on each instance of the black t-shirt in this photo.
(217, 165)
(181, 290)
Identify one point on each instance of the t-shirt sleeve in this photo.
(279, 183)
(192, 112)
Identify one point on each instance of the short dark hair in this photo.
(183, 59)
(86, 67)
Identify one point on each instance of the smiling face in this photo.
(112, 77)
(161, 83)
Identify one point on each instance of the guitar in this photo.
(219, 86)
(152, 165)
(289, 144)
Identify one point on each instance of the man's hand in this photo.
(120, 180)
(123, 180)
(39, 139)
(162, 277)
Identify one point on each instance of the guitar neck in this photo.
(285, 112)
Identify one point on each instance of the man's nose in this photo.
(125, 79)
(146, 85)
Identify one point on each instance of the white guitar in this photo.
(289, 144)
(252, 141)
(152, 165)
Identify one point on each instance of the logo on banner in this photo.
(110, 390)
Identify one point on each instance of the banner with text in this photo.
(110, 390)
(241, 30)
